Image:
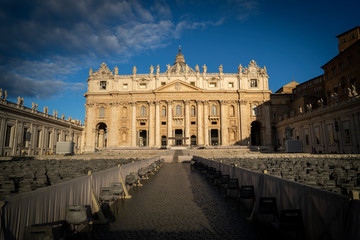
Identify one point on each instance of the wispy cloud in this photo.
(44, 42)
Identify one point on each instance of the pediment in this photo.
(178, 86)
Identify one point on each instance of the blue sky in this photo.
(47, 47)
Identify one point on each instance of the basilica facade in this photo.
(181, 106)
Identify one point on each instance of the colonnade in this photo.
(197, 123)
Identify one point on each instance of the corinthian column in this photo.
(200, 140)
(151, 124)
(157, 124)
(206, 122)
(169, 122)
(133, 124)
(224, 124)
(187, 122)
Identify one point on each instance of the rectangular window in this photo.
(212, 84)
(214, 123)
(163, 123)
(192, 83)
(142, 85)
(193, 123)
(142, 123)
(103, 85)
(231, 84)
(125, 86)
(163, 83)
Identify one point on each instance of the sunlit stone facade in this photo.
(27, 131)
(180, 106)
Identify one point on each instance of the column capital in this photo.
(199, 101)
(243, 102)
(133, 103)
(169, 102)
(187, 102)
(223, 102)
(157, 102)
(206, 102)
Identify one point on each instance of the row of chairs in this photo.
(289, 220)
(26, 175)
(336, 175)
(79, 217)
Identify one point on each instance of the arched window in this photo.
(124, 112)
(193, 112)
(213, 110)
(143, 111)
(102, 112)
(163, 111)
(255, 110)
(232, 111)
(178, 110)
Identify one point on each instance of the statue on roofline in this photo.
(240, 69)
(157, 69)
(116, 70)
(151, 69)
(221, 68)
(204, 68)
(134, 70)
(197, 68)
(90, 72)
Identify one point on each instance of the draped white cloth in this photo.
(47, 205)
(326, 215)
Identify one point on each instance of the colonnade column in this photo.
(224, 124)
(2, 133)
(187, 122)
(133, 124)
(169, 122)
(157, 124)
(200, 140)
(243, 127)
(151, 124)
(206, 130)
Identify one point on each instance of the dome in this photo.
(179, 58)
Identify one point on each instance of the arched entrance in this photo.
(255, 133)
(101, 135)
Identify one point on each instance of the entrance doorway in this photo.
(193, 140)
(255, 134)
(214, 137)
(163, 141)
(142, 138)
(178, 137)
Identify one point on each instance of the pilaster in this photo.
(200, 140)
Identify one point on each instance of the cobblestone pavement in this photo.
(179, 203)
